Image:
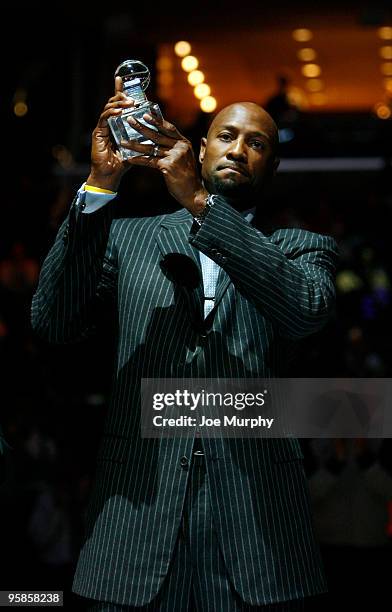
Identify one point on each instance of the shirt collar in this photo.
(249, 214)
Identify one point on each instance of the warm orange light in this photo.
(165, 78)
(385, 33)
(189, 63)
(297, 97)
(195, 77)
(318, 99)
(202, 90)
(164, 63)
(388, 85)
(63, 156)
(386, 68)
(314, 85)
(208, 104)
(386, 52)
(382, 111)
(311, 70)
(306, 54)
(182, 48)
(302, 35)
(20, 109)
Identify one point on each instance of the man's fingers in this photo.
(150, 133)
(143, 160)
(165, 127)
(121, 103)
(114, 108)
(111, 112)
(150, 150)
(118, 96)
(118, 84)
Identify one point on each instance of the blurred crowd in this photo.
(53, 399)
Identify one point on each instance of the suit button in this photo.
(214, 252)
(184, 462)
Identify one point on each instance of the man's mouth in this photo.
(235, 168)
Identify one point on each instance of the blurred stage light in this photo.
(306, 54)
(165, 78)
(386, 68)
(311, 70)
(189, 63)
(20, 109)
(208, 104)
(382, 111)
(302, 35)
(182, 48)
(202, 90)
(314, 85)
(195, 77)
(386, 52)
(164, 62)
(286, 135)
(388, 85)
(385, 33)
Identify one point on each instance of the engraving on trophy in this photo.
(135, 77)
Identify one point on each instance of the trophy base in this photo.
(121, 129)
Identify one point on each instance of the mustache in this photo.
(237, 167)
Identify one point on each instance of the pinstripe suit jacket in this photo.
(272, 290)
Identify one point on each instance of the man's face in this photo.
(238, 155)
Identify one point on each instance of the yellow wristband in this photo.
(98, 190)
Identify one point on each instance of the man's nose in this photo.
(237, 150)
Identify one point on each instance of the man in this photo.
(168, 527)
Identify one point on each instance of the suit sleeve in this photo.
(78, 277)
(288, 276)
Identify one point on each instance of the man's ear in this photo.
(203, 144)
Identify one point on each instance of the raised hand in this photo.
(107, 167)
(172, 154)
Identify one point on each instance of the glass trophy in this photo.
(135, 77)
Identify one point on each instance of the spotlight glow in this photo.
(386, 68)
(386, 52)
(182, 48)
(311, 70)
(306, 54)
(189, 63)
(302, 35)
(382, 111)
(385, 33)
(195, 77)
(208, 104)
(202, 91)
(20, 109)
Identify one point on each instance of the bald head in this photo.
(239, 154)
(246, 109)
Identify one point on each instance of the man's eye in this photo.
(257, 144)
(225, 137)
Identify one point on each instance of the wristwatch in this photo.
(209, 201)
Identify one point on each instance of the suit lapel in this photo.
(224, 281)
(222, 284)
(182, 261)
(173, 238)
